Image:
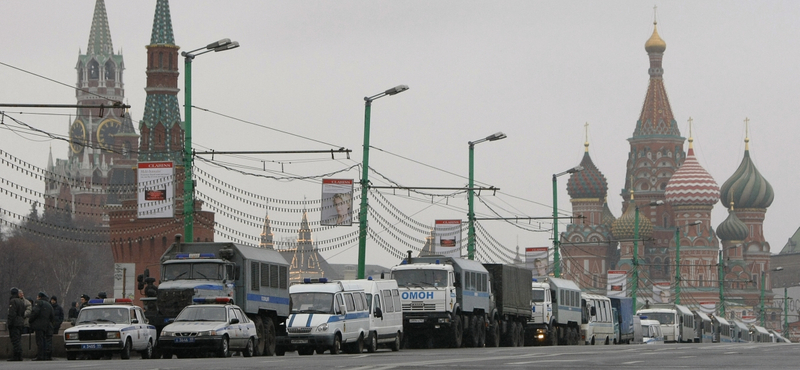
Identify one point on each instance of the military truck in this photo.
(556, 308)
(450, 302)
(255, 279)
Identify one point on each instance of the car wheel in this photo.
(336, 347)
(148, 351)
(250, 349)
(126, 350)
(372, 342)
(224, 350)
(395, 346)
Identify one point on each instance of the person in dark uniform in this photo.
(42, 318)
(73, 312)
(58, 312)
(84, 302)
(15, 322)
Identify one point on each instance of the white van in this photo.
(651, 332)
(325, 316)
(597, 326)
(386, 314)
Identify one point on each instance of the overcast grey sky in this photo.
(536, 70)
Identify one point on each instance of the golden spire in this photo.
(746, 133)
(691, 140)
(631, 188)
(586, 143)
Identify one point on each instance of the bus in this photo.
(597, 325)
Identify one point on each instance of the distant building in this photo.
(659, 171)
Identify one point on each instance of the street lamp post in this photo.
(362, 214)
(721, 265)
(471, 193)
(188, 184)
(678, 260)
(556, 255)
(785, 311)
(763, 282)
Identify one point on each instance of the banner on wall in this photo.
(617, 283)
(538, 260)
(337, 202)
(448, 237)
(156, 190)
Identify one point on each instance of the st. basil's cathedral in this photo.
(673, 196)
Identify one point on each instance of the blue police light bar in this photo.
(194, 255)
(208, 300)
(369, 278)
(111, 301)
(534, 280)
(315, 280)
(437, 262)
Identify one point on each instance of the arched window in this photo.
(94, 70)
(160, 60)
(110, 71)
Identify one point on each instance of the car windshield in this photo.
(311, 302)
(199, 270)
(201, 313)
(104, 315)
(420, 277)
(538, 295)
(665, 318)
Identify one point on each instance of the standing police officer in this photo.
(15, 323)
(42, 318)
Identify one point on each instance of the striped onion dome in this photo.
(691, 184)
(732, 228)
(623, 227)
(588, 183)
(746, 187)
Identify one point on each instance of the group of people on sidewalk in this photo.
(43, 317)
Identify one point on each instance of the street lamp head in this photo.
(496, 136)
(228, 46)
(694, 223)
(575, 169)
(396, 90)
(656, 202)
(778, 269)
(217, 44)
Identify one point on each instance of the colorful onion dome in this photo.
(691, 184)
(655, 44)
(608, 218)
(623, 227)
(732, 228)
(588, 183)
(746, 187)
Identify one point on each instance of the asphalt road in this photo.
(691, 356)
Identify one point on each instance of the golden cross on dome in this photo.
(655, 8)
(690, 132)
(746, 133)
(586, 144)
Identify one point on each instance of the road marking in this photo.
(538, 362)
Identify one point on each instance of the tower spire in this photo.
(162, 25)
(100, 35)
(691, 139)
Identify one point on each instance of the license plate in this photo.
(184, 340)
(91, 346)
(299, 341)
(416, 321)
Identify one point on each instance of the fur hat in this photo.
(54, 298)
(86, 297)
(14, 291)
(42, 295)
(102, 295)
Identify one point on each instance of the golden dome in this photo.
(655, 44)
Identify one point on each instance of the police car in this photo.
(109, 326)
(325, 317)
(209, 325)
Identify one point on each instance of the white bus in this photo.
(597, 325)
(677, 322)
